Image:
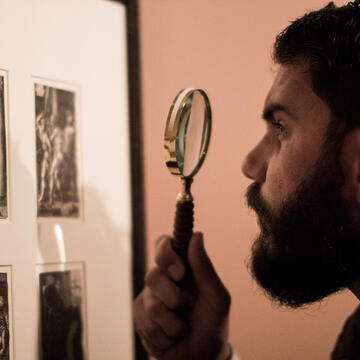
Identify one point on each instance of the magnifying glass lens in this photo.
(192, 134)
(187, 132)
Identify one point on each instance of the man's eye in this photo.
(280, 129)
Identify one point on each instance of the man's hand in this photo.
(175, 324)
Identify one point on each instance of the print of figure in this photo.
(53, 321)
(43, 136)
(61, 317)
(56, 143)
(4, 317)
(4, 330)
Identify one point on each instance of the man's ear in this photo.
(350, 160)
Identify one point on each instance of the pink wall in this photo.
(224, 47)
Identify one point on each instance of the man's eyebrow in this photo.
(269, 110)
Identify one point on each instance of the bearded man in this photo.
(305, 191)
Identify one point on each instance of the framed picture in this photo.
(100, 182)
(57, 150)
(62, 311)
(6, 331)
(74, 150)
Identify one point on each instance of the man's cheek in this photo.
(281, 181)
(272, 192)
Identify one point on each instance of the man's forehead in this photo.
(291, 87)
(292, 94)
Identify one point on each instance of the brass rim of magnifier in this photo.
(170, 138)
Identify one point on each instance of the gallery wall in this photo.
(83, 257)
(223, 46)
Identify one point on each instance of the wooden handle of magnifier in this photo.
(184, 219)
(183, 227)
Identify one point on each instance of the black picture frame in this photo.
(136, 157)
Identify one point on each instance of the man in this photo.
(44, 156)
(53, 320)
(57, 163)
(306, 193)
(69, 176)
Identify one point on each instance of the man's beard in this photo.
(307, 251)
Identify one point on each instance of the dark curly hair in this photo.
(329, 41)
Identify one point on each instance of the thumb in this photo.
(206, 280)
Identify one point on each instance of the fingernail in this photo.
(176, 272)
(200, 236)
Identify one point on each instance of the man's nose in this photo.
(255, 164)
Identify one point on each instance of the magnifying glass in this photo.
(186, 142)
